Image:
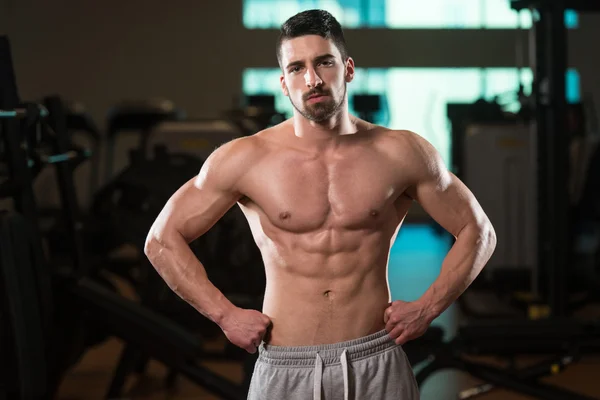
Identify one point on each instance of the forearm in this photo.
(465, 260)
(181, 270)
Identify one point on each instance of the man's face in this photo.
(315, 76)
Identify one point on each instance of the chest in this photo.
(349, 190)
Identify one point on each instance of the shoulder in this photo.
(415, 154)
(228, 163)
(235, 152)
(405, 138)
(233, 160)
(253, 147)
(405, 144)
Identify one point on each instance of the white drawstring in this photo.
(344, 360)
(319, 376)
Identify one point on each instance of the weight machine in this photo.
(562, 338)
(48, 310)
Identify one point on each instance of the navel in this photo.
(284, 215)
(326, 293)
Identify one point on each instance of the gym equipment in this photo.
(561, 341)
(552, 147)
(255, 113)
(198, 138)
(487, 138)
(27, 299)
(23, 371)
(129, 321)
(586, 226)
(481, 124)
(130, 203)
(133, 199)
(139, 117)
(506, 153)
(371, 107)
(174, 152)
(504, 274)
(69, 300)
(85, 135)
(89, 302)
(27, 118)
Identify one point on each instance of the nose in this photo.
(312, 79)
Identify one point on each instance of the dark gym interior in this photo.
(106, 108)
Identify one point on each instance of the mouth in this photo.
(316, 98)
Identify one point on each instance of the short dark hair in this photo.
(313, 22)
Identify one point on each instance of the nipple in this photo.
(374, 213)
(284, 215)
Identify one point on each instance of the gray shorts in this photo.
(368, 368)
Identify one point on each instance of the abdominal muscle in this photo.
(313, 299)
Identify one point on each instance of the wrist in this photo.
(223, 310)
(211, 303)
(430, 308)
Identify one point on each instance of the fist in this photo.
(246, 328)
(405, 321)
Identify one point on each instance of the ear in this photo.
(350, 70)
(283, 85)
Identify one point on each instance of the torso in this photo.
(324, 220)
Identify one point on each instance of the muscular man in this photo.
(324, 194)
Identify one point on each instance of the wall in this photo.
(100, 52)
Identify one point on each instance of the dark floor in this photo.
(414, 263)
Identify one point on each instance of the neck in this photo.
(338, 125)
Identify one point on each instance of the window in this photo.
(432, 14)
(417, 97)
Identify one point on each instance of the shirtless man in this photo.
(324, 194)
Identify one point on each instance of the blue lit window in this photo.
(415, 14)
(417, 97)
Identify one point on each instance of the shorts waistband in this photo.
(329, 353)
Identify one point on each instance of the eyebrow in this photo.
(322, 57)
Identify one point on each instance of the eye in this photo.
(294, 70)
(327, 63)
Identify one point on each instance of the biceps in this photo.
(193, 210)
(449, 202)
